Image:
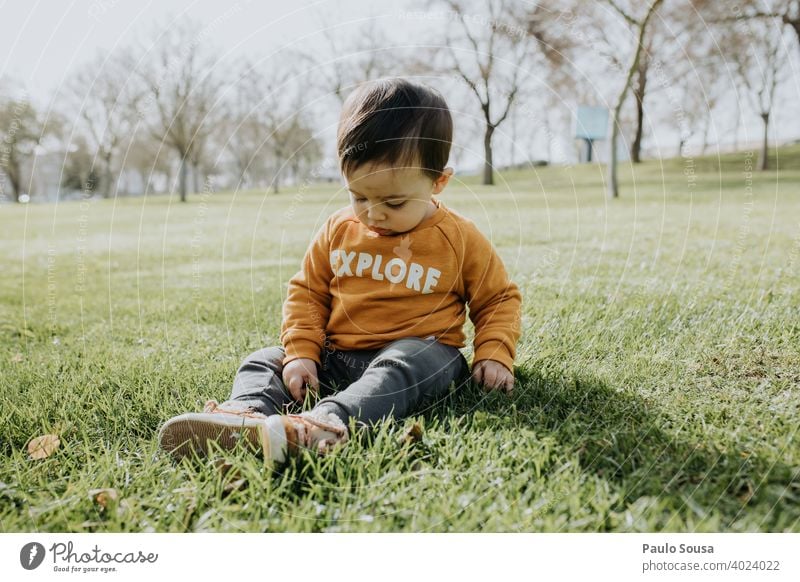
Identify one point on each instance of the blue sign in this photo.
(591, 122)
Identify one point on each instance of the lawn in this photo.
(658, 372)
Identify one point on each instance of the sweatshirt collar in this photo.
(435, 218)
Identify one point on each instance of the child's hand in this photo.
(493, 376)
(298, 373)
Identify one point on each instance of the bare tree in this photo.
(785, 11)
(641, 29)
(184, 89)
(21, 130)
(78, 171)
(265, 123)
(759, 67)
(691, 104)
(639, 92)
(686, 74)
(604, 29)
(103, 98)
(752, 40)
(245, 126)
(149, 161)
(664, 43)
(490, 53)
(304, 147)
(350, 59)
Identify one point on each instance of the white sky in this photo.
(42, 41)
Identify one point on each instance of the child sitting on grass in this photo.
(373, 321)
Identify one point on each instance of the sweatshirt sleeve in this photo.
(308, 301)
(494, 301)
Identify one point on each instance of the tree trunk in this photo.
(513, 141)
(549, 137)
(613, 187)
(488, 167)
(13, 170)
(296, 170)
(144, 178)
(706, 127)
(14, 183)
(196, 177)
(275, 179)
(639, 92)
(184, 178)
(763, 162)
(795, 24)
(276, 175)
(107, 178)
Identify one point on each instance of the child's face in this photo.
(390, 200)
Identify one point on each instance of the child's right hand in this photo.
(298, 373)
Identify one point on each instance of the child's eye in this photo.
(360, 200)
(396, 204)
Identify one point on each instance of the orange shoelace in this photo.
(212, 406)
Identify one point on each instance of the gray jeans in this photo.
(396, 380)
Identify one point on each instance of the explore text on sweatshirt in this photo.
(358, 290)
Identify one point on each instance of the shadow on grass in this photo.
(643, 454)
(640, 450)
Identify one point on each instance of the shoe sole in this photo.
(194, 433)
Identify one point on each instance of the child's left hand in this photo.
(493, 376)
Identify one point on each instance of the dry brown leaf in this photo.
(43, 446)
(124, 508)
(17, 358)
(237, 485)
(745, 493)
(413, 434)
(105, 498)
(226, 470)
(183, 490)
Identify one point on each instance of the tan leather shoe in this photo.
(274, 437)
(227, 425)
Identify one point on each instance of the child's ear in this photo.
(440, 182)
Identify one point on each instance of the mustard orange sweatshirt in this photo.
(357, 290)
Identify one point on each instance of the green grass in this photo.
(658, 372)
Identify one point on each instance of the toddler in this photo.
(373, 320)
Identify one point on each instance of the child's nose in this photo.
(374, 212)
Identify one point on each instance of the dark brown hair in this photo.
(395, 121)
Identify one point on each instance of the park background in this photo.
(163, 169)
